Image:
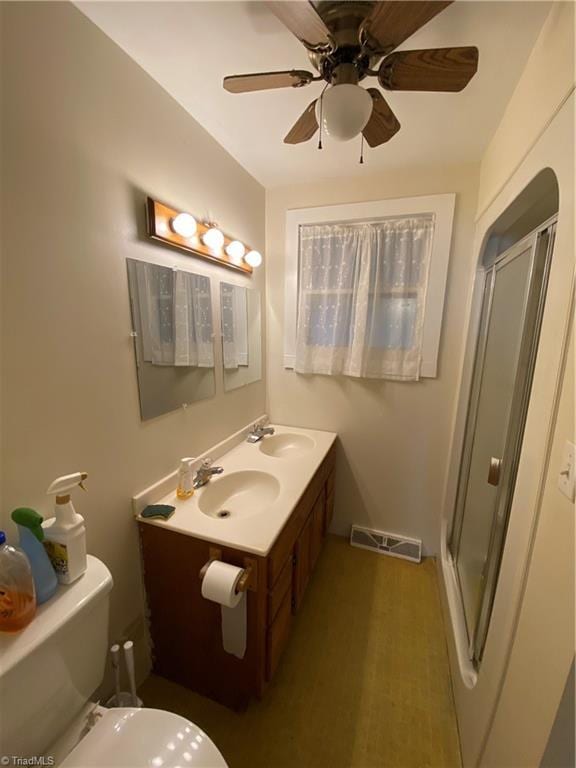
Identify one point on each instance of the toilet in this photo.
(50, 670)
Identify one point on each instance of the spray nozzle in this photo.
(63, 485)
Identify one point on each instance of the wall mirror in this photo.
(241, 335)
(173, 336)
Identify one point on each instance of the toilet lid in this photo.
(144, 738)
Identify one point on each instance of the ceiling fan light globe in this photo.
(345, 110)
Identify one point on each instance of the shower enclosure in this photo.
(513, 299)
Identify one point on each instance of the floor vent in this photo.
(386, 543)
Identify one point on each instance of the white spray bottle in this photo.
(65, 534)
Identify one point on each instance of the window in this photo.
(365, 287)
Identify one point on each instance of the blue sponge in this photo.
(162, 511)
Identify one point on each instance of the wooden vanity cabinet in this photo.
(185, 628)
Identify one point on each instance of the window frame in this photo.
(441, 207)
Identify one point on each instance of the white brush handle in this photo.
(115, 656)
(129, 659)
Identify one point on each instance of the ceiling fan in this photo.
(349, 41)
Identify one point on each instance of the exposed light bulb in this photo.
(184, 225)
(346, 108)
(213, 239)
(253, 258)
(235, 250)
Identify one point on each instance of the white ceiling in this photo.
(188, 47)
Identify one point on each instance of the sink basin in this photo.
(239, 494)
(287, 445)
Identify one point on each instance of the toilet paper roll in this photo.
(219, 586)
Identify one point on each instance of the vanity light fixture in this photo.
(213, 239)
(236, 251)
(253, 259)
(181, 230)
(184, 224)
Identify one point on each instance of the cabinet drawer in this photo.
(278, 635)
(278, 591)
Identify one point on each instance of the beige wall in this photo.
(89, 135)
(394, 437)
(546, 82)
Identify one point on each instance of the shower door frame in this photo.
(542, 243)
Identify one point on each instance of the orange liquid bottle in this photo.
(17, 595)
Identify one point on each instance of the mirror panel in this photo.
(173, 336)
(241, 335)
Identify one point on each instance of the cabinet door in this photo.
(317, 529)
(278, 635)
(329, 501)
(302, 563)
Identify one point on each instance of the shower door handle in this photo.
(494, 471)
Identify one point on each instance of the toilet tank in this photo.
(50, 669)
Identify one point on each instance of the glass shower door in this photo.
(501, 383)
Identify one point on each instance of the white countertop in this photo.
(256, 533)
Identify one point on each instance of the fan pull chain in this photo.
(321, 107)
(362, 149)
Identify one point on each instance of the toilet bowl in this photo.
(49, 672)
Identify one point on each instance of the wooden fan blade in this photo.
(302, 20)
(305, 127)
(390, 23)
(383, 123)
(261, 81)
(434, 69)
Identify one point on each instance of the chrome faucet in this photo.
(205, 472)
(259, 430)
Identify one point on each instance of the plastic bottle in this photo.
(17, 596)
(66, 533)
(31, 535)
(185, 487)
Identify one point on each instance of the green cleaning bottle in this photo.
(31, 535)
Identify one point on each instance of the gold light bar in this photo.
(160, 218)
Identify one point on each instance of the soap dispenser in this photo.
(65, 533)
(31, 536)
(185, 487)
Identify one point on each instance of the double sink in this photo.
(248, 504)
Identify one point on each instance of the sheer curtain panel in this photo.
(362, 291)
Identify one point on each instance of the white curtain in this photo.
(362, 291)
(234, 311)
(175, 316)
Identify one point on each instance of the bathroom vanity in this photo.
(277, 497)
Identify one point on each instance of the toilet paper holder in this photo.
(248, 579)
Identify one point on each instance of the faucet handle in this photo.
(263, 422)
(207, 462)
